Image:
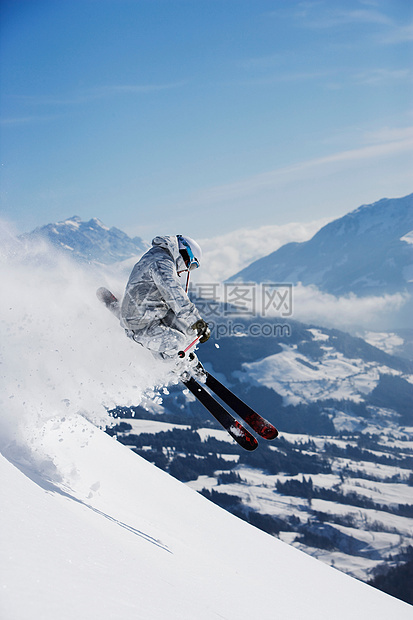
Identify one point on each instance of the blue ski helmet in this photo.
(190, 252)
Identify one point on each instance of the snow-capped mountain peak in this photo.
(89, 241)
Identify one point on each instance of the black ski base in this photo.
(258, 424)
(234, 428)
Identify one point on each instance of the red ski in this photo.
(258, 424)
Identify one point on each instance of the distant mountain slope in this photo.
(368, 251)
(89, 241)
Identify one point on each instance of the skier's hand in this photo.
(202, 330)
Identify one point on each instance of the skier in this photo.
(158, 314)
(156, 311)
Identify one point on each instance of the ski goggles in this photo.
(190, 261)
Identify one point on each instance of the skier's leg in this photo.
(161, 339)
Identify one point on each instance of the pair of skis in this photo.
(228, 421)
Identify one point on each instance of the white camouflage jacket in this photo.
(154, 289)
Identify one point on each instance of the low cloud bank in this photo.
(349, 312)
(225, 255)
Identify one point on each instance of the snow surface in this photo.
(110, 536)
(150, 426)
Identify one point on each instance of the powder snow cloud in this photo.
(61, 352)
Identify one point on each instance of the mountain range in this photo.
(367, 252)
(88, 241)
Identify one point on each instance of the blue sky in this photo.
(203, 116)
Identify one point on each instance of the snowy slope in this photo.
(108, 536)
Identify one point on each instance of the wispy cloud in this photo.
(377, 77)
(263, 62)
(131, 89)
(399, 34)
(399, 141)
(336, 78)
(287, 77)
(388, 135)
(316, 15)
(278, 68)
(376, 23)
(99, 92)
(14, 121)
(311, 17)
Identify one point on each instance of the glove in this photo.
(202, 330)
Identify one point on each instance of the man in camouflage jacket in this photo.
(156, 311)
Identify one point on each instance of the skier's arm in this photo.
(166, 280)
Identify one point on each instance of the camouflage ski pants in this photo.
(163, 338)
